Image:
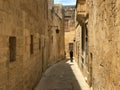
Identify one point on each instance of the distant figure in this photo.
(65, 54)
(71, 56)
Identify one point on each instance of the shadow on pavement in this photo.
(59, 77)
(75, 84)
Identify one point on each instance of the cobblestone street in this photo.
(63, 76)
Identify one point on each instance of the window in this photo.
(12, 48)
(31, 44)
(39, 43)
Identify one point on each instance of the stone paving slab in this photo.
(63, 76)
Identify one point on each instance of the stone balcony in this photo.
(80, 17)
(81, 11)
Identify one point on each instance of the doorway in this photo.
(42, 59)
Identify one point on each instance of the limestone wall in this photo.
(56, 40)
(27, 46)
(23, 20)
(69, 27)
(104, 36)
(10, 26)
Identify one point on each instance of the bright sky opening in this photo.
(65, 2)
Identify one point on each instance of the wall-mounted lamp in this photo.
(57, 30)
(74, 40)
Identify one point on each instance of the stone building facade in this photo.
(24, 43)
(82, 36)
(69, 18)
(69, 27)
(56, 33)
(101, 67)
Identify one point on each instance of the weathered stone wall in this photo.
(69, 27)
(10, 25)
(104, 51)
(28, 22)
(82, 39)
(78, 45)
(22, 19)
(35, 24)
(56, 40)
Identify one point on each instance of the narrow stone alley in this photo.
(64, 75)
(37, 35)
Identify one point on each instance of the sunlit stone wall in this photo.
(104, 43)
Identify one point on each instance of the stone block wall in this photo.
(25, 43)
(58, 37)
(10, 26)
(69, 27)
(82, 38)
(35, 32)
(78, 46)
(23, 19)
(56, 40)
(104, 37)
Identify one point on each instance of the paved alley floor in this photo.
(63, 76)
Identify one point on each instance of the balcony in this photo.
(81, 11)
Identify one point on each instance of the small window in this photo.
(31, 44)
(39, 43)
(12, 48)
